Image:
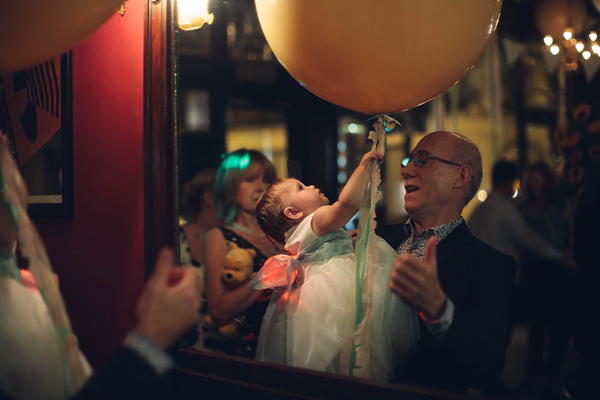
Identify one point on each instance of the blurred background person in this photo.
(199, 213)
(548, 284)
(498, 222)
(234, 314)
(584, 385)
(39, 355)
(198, 216)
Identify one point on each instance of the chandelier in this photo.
(565, 26)
(571, 47)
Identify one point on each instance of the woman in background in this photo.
(199, 215)
(547, 284)
(241, 178)
(198, 211)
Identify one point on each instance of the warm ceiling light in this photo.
(579, 46)
(548, 40)
(568, 33)
(554, 49)
(586, 55)
(192, 14)
(593, 36)
(596, 48)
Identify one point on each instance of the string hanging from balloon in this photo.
(355, 353)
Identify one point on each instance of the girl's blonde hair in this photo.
(269, 212)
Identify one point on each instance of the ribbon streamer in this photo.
(32, 248)
(356, 349)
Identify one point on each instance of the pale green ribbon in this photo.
(355, 356)
(33, 250)
(8, 265)
(325, 247)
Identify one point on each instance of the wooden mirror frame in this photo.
(200, 374)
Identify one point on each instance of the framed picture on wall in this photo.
(36, 114)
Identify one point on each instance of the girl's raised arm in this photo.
(334, 216)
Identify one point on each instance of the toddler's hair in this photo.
(269, 212)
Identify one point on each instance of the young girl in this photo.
(304, 323)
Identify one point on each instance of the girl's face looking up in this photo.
(300, 197)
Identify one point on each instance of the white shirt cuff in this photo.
(155, 356)
(439, 329)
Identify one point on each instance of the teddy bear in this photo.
(237, 268)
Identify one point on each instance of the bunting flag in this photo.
(551, 61)
(590, 67)
(513, 50)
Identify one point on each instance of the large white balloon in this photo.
(378, 56)
(32, 31)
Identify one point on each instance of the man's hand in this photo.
(169, 304)
(416, 282)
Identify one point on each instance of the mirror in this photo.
(230, 92)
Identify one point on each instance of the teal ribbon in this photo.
(325, 247)
(8, 265)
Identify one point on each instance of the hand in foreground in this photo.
(416, 282)
(170, 302)
(371, 155)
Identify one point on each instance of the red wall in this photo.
(99, 254)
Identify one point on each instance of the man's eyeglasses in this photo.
(421, 157)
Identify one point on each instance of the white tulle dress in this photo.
(305, 322)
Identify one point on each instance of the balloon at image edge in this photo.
(34, 31)
(378, 56)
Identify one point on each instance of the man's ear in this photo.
(293, 213)
(463, 178)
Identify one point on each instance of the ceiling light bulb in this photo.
(568, 33)
(548, 40)
(579, 47)
(586, 55)
(596, 48)
(593, 36)
(554, 49)
(192, 14)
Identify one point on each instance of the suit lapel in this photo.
(455, 242)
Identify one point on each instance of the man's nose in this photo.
(409, 170)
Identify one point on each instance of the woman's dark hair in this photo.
(549, 179)
(504, 171)
(230, 175)
(193, 192)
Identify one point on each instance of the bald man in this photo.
(459, 285)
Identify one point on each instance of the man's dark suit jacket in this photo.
(125, 376)
(478, 279)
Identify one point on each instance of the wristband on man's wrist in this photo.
(433, 320)
(427, 319)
